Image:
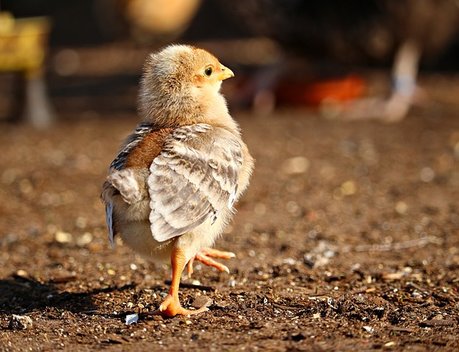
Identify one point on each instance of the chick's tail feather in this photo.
(109, 220)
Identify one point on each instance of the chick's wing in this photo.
(118, 164)
(193, 179)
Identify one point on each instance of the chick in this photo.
(171, 189)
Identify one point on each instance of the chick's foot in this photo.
(205, 256)
(171, 307)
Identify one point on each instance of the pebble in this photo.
(348, 188)
(81, 222)
(63, 237)
(289, 261)
(368, 329)
(202, 301)
(20, 322)
(25, 186)
(401, 207)
(295, 165)
(84, 239)
(22, 273)
(427, 174)
(393, 276)
(293, 208)
(438, 317)
(260, 209)
(132, 319)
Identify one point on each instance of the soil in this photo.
(347, 239)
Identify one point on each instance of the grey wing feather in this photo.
(193, 179)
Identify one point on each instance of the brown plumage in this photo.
(171, 189)
(148, 148)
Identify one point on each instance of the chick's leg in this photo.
(205, 256)
(171, 305)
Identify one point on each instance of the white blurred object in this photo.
(132, 319)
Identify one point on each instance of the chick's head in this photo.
(179, 80)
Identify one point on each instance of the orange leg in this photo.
(205, 256)
(171, 304)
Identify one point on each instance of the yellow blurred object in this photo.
(161, 17)
(23, 44)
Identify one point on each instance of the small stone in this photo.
(81, 222)
(401, 207)
(348, 188)
(25, 186)
(295, 165)
(63, 237)
(393, 276)
(289, 261)
(20, 322)
(427, 174)
(202, 301)
(316, 316)
(260, 209)
(22, 273)
(132, 319)
(84, 239)
(368, 329)
(293, 208)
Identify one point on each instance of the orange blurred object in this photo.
(315, 93)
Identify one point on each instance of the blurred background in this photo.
(353, 60)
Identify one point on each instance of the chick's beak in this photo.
(225, 73)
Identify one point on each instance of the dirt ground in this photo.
(348, 239)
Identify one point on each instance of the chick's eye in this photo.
(208, 71)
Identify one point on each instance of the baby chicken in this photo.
(171, 189)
